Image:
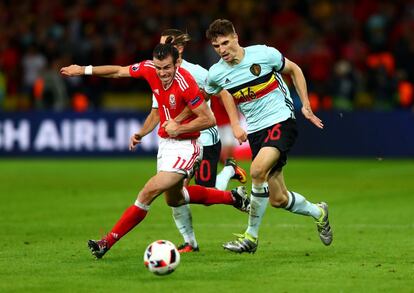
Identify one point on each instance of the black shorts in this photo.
(281, 136)
(207, 172)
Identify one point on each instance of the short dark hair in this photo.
(220, 27)
(176, 37)
(162, 51)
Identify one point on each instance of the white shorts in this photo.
(178, 156)
(226, 135)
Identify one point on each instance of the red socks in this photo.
(131, 217)
(134, 215)
(208, 196)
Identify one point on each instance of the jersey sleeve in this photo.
(193, 95)
(211, 86)
(200, 76)
(139, 70)
(198, 73)
(275, 58)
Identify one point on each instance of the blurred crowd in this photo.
(355, 54)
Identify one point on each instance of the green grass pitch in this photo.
(50, 208)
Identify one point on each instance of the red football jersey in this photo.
(182, 92)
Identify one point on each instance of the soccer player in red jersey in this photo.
(206, 171)
(174, 89)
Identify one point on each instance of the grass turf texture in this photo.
(50, 208)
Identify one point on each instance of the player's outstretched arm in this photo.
(110, 71)
(299, 82)
(149, 124)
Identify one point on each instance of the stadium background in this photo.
(358, 60)
(357, 57)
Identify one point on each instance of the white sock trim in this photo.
(262, 188)
(186, 195)
(290, 198)
(141, 205)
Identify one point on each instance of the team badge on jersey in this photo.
(135, 67)
(173, 103)
(255, 69)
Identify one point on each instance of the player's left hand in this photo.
(171, 127)
(307, 112)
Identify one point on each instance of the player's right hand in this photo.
(239, 133)
(72, 70)
(307, 112)
(134, 141)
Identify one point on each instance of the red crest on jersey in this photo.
(173, 103)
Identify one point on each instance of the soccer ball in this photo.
(161, 257)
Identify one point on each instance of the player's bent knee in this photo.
(258, 174)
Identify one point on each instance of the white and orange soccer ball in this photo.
(161, 257)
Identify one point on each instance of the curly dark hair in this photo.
(220, 27)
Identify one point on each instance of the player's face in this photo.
(165, 69)
(226, 47)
